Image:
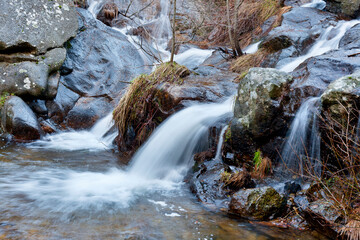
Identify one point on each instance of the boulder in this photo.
(258, 111)
(351, 39)
(36, 26)
(341, 95)
(35, 77)
(313, 76)
(100, 61)
(258, 203)
(346, 7)
(19, 120)
(323, 216)
(87, 111)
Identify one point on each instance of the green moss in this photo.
(257, 158)
(3, 97)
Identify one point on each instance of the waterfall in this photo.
(327, 41)
(220, 143)
(301, 152)
(175, 141)
(319, 4)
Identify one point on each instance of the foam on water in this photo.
(318, 4)
(99, 137)
(193, 57)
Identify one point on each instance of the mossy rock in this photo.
(340, 96)
(258, 203)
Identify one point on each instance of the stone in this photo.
(19, 120)
(100, 60)
(36, 26)
(346, 7)
(64, 101)
(351, 38)
(259, 203)
(37, 78)
(341, 95)
(258, 103)
(87, 111)
(323, 216)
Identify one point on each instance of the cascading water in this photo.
(220, 143)
(160, 164)
(301, 152)
(319, 4)
(99, 137)
(173, 144)
(328, 40)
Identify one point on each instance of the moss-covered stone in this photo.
(341, 95)
(259, 203)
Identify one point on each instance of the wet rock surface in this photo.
(36, 77)
(19, 120)
(259, 203)
(101, 60)
(87, 111)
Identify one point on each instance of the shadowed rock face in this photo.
(346, 7)
(19, 120)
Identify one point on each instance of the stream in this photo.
(74, 185)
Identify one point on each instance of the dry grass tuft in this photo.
(263, 166)
(351, 230)
(142, 101)
(236, 181)
(244, 63)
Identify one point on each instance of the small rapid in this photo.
(328, 40)
(99, 137)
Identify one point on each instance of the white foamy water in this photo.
(159, 165)
(193, 57)
(172, 145)
(252, 48)
(99, 137)
(329, 40)
(318, 4)
(220, 143)
(301, 152)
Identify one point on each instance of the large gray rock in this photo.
(100, 61)
(259, 203)
(36, 26)
(259, 111)
(351, 38)
(35, 77)
(259, 100)
(314, 75)
(19, 120)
